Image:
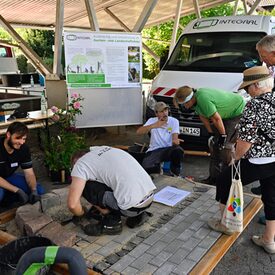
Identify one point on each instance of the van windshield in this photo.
(216, 52)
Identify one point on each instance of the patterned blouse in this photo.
(257, 126)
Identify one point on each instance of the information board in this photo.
(103, 60)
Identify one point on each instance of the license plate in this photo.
(190, 131)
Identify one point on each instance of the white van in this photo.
(211, 52)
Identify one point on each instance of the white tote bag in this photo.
(233, 212)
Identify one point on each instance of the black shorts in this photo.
(94, 192)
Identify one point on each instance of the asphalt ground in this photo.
(242, 258)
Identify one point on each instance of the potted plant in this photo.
(66, 141)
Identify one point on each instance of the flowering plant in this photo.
(67, 117)
(66, 140)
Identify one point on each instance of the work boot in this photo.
(216, 225)
(94, 213)
(138, 220)
(109, 225)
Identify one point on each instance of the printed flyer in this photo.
(103, 60)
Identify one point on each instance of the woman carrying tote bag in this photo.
(256, 151)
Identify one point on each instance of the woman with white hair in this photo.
(255, 149)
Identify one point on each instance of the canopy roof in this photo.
(42, 13)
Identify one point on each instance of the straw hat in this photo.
(254, 74)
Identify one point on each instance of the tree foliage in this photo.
(158, 37)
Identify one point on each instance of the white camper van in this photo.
(211, 52)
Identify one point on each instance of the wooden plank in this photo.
(6, 237)
(218, 250)
(7, 215)
(186, 152)
(196, 153)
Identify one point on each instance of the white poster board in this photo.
(103, 60)
(106, 69)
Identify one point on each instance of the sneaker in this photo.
(268, 247)
(256, 190)
(136, 221)
(109, 225)
(216, 225)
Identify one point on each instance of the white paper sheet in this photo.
(170, 195)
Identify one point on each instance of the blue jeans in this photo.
(19, 181)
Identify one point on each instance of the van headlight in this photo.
(151, 102)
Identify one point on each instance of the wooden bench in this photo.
(33, 121)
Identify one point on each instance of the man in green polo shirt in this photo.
(220, 112)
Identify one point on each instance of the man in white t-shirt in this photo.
(115, 184)
(164, 141)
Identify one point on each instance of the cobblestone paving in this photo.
(172, 242)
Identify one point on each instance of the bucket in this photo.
(135, 151)
(11, 252)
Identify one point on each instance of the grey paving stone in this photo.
(123, 263)
(139, 250)
(136, 240)
(101, 266)
(196, 254)
(186, 234)
(191, 243)
(129, 246)
(185, 267)
(213, 209)
(179, 256)
(206, 216)
(129, 271)
(111, 259)
(166, 268)
(196, 225)
(215, 234)
(166, 228)
(181, 226)
(141, 261)
(169, 237)
(202, 233)
(188, 210)
(207, 242)
(107, 249)
(160, 258)
(144, 234)
(191, 218)
(173, 246)
(177, 219)
(147, 269)
(122, 252)
(153, 238)
(157, 248)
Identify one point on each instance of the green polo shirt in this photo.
(210, 101)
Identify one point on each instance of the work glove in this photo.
(221, 141)
(34, 197)
(78, 220)
(22, 196)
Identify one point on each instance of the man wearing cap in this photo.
(255, 149)
(223, 110)
(164, 142)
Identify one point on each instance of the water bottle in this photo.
(32, 82)
(44, 105)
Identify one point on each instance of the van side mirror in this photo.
(162, 61)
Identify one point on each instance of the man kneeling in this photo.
(115, 184)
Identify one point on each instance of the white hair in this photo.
(267, 43)
(269, 82)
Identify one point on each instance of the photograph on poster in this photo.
(134, 72)
(133, 54)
